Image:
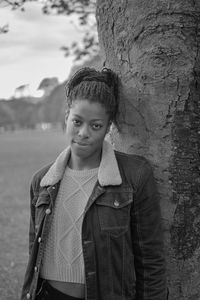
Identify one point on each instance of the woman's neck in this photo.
(79, 163)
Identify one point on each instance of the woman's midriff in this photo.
(70, 288)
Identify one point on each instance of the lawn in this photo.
(22, 153)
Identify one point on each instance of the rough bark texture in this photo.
(154, 47)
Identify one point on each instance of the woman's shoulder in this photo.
(135, 167)
(131, 159)
(39, 174)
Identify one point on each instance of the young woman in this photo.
(95, 226)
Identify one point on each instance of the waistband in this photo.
(53, 293)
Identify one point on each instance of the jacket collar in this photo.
(108, 173)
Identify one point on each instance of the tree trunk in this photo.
(154, 47)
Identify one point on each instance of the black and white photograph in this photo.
(99, 150)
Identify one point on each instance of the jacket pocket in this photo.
(114, 211)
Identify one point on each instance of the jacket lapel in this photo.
(108, 173)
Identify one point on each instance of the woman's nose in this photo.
(83, 131)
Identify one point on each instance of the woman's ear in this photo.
(108, 128)
(66, 116)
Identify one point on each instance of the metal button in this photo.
(48, 211)
(87, 242)
(116, 203)
(39, 239)
(91, 273)
(53, 187)
(35, 269)
(28, 296)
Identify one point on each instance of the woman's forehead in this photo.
(87, 109)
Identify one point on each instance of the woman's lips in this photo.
(81, 143)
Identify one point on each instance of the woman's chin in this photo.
(80, 150)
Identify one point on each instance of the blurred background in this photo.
(41, 44)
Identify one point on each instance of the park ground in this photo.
(22, 153)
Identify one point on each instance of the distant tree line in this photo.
(28, 112)
(25, 113)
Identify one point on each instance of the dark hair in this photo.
(95, 86)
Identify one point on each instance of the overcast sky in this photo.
(30, 51)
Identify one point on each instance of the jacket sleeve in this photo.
(32, 219)
(147, 237)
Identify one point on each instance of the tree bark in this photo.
(154, 47)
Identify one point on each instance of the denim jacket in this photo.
(122, 237)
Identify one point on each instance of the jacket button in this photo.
(91, 273)
(53, 187)
(35, 269)
(48, 211)
(39, 239)
(116, 203)
(87, 242)
(28, 296)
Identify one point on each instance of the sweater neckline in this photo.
(81, 173)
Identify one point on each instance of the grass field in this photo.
(21, 154)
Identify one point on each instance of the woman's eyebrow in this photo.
(97, 119)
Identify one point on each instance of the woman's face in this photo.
(86, 126)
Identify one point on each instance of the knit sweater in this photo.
(63, 259)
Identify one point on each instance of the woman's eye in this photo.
(76, 122)
(96, 126)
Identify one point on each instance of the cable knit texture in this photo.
(63, 260)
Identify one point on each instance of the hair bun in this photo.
(112, 80)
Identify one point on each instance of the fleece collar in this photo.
(108, 173)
